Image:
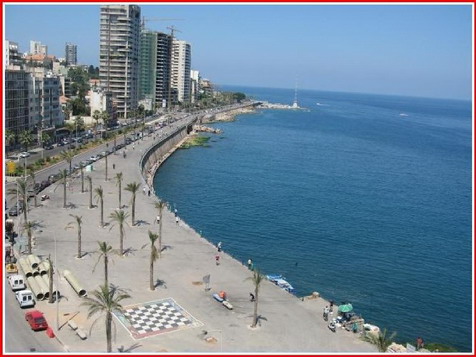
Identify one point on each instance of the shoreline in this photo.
(186, 259)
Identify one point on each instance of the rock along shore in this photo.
(287, 324)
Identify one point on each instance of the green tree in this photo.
(381, 339)
(68, 156)
(28, 227)
(100, 197)
(90, 182)
(22, 189)
(26, 139)
(105, 301)
(160, 206)
(9, 138)
(96, 117)
(133, 188)
(79, 221)
(106, 119)
(257, 278)
(104, 251)
(120, 217)
(154, 255)
(119, 178)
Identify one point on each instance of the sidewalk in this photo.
(288, 324)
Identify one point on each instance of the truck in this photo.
(25, 298)
(17, 282)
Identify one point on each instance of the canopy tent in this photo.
(346, 308)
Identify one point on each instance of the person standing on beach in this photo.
(250, 264)
(217, 259)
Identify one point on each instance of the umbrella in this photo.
(346, 308)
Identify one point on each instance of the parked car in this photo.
(31, 193)
(17, 282)
(14, 211)
(25, 298)
(94, 158)
(49, 147)
(36, 319)
(24, 154)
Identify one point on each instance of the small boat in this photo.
(281, 282)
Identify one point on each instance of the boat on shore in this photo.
(280, 281)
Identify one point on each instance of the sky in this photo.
(412, 50)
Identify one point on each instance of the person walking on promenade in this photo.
(250, 264)
(113, 166)
(175, 210)
(217, 259)
(148, 193)
(419, 343)
(176, 219)
(158, 219)
(143, 189)
(219, 246)
(252, 297)
(331, 309)
(325, 314)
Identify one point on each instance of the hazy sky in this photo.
(415, 50)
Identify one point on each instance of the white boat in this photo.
(281, 282)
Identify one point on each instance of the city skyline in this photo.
(412, 50)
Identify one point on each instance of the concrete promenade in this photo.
(287, 325)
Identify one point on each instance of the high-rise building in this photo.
(16, 101)
(71, 54)
(119, 55)
(147, 64)
(180, 67)
(36, 48)
(12, 55)
(194, 85)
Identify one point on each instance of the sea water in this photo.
(363, 198)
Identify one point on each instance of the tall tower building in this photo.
(154, 58)
(71, 54)
(181, 66)
(119, 55)
(36, 48)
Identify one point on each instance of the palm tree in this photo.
(119, 178)
(100, 197)
(29, 227)
(22, 190)
(70, 126)
(67, 111)
(90, 181)
(33, 178)
(25, 139)
(154, 255)
(133, 188)
(96, 117)
(256, 279)
(9, 138)
(81, 167)
(106, 300)
(381, 340)
(104, 252)
(68, 156)
(105, 118)
(78, 220)
(160, 206)
(63, 180)
(120, 218)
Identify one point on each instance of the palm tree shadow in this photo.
(165, 247)
(71, 205)
(141, 222)
(129, 251)
(160, 283)
(122, 349)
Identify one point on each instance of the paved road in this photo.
(19, 335)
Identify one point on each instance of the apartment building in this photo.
(180, 67)
(71, 54)
(119, 55)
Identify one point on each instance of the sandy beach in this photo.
(287, 324)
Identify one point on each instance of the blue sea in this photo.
(363, 198)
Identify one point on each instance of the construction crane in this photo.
(149, 19)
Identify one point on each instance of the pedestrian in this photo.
(143, 189)
(133, 146)
(158, 219)
(124, 154)
(148, 193)
(252, 297)
(217, 259)
(219, 246)
(331, 309)
(175, 210)
(420, 343)
(113, 166)
(176, 219)
(325, 313)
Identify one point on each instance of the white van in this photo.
(17, 282)
(25, 298)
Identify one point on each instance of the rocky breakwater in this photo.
(206, 129)
(228, 115)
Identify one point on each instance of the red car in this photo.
(36, 320)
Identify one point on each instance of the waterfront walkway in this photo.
(288, 324)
